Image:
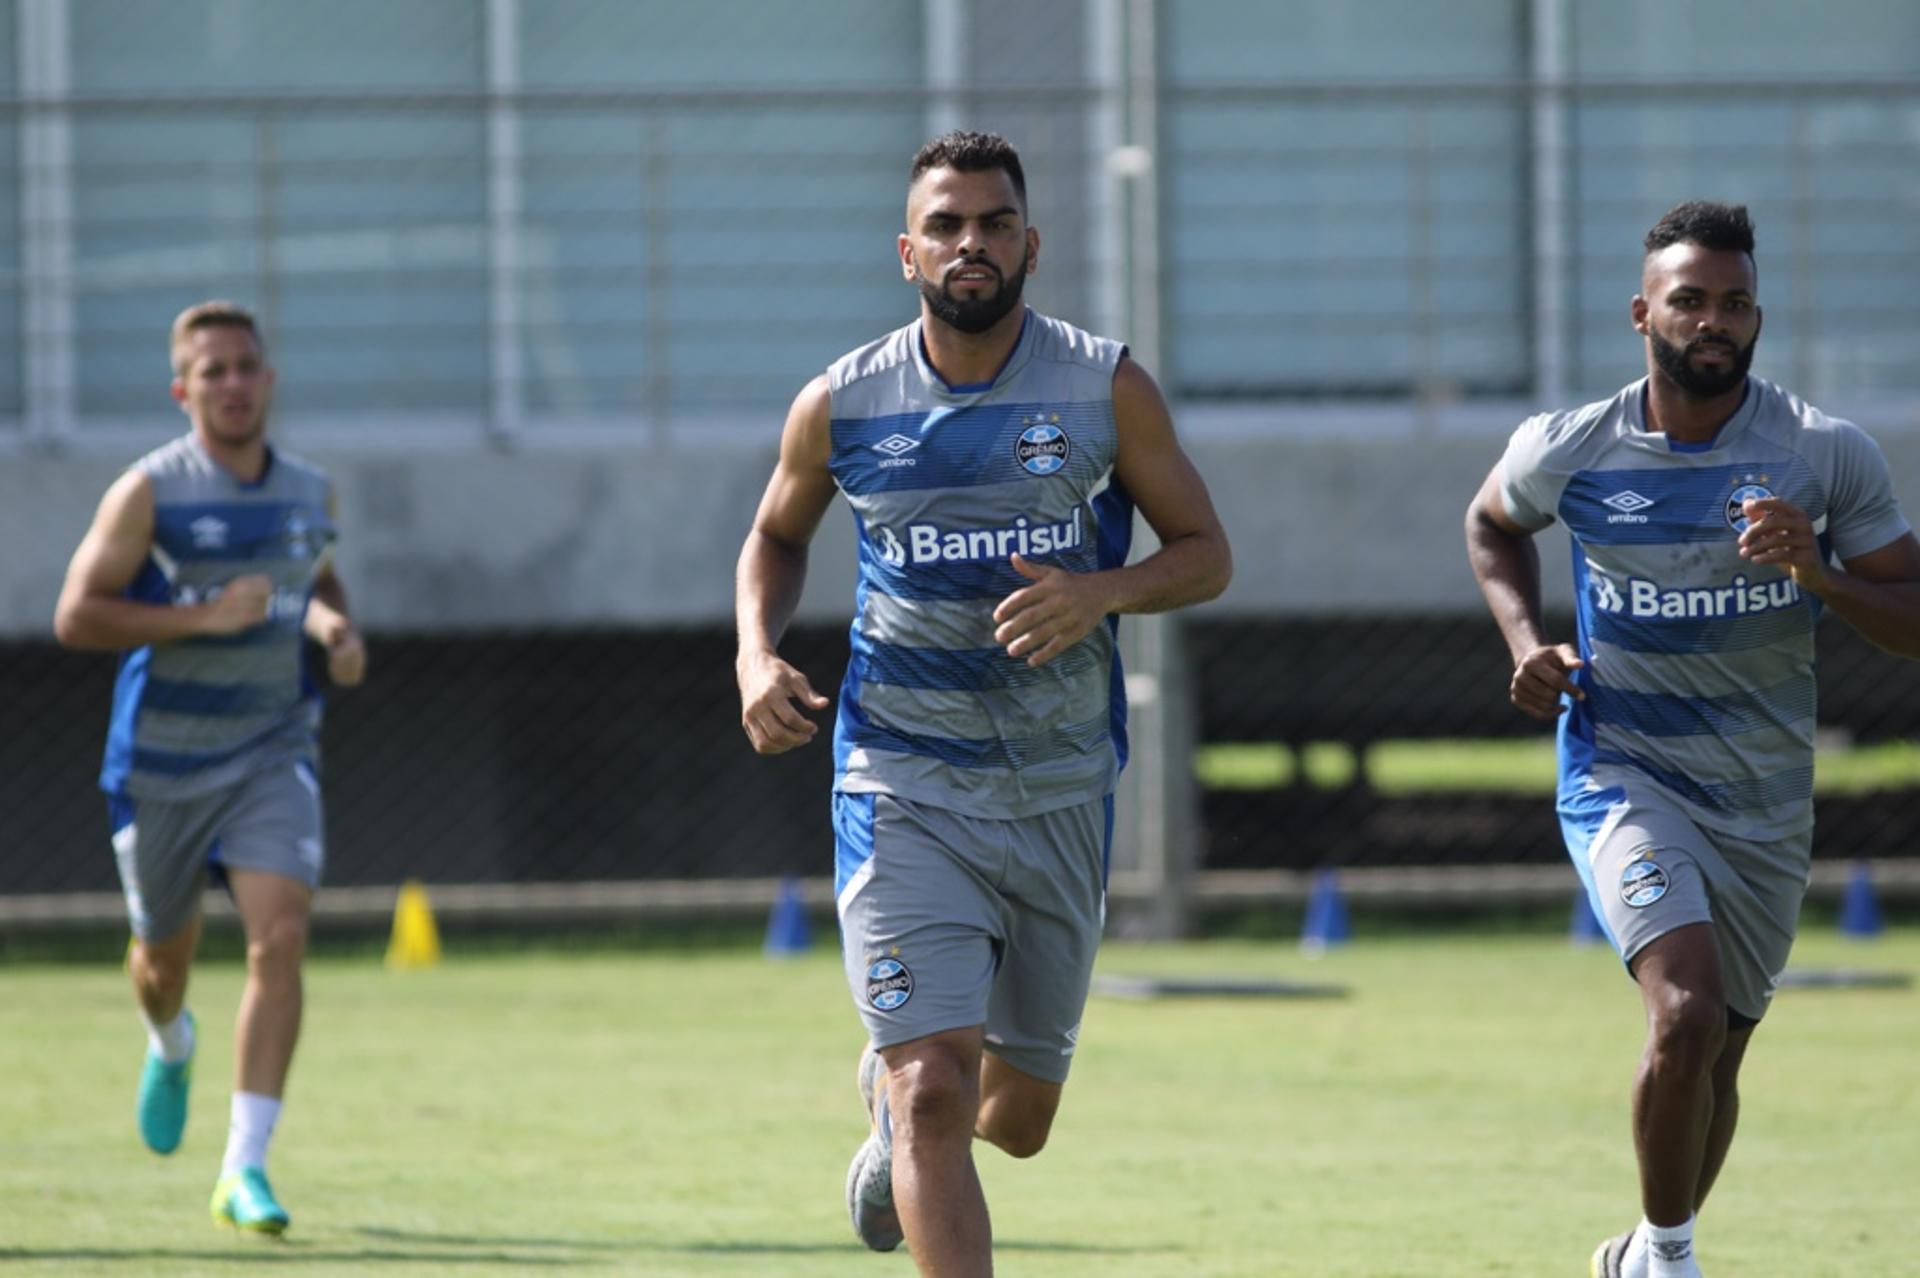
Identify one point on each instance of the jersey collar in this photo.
(1658, 441)
(966, 391)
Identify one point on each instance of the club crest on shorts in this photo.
(1754, 489)
(889, 984)
(1642, 883)
(1042, 447)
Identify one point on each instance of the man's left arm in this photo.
(1878, 593)
(1193, 564)
(329, 623)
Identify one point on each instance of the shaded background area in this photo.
(541, 276)
(611, 756)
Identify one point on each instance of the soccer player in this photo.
(1713, 515)
(208, 560)
(993, 458)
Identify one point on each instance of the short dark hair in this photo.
(968, 152)
(1724, 228)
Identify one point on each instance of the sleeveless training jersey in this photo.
(197, 714)
(1699, 674)
(946, 483)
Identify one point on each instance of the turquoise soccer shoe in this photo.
(244, 1200)
(162, 1108)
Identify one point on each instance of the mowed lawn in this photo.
(1518, 765)
(1462, 1112)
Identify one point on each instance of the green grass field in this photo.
(1463, 1112)
(1516, 766)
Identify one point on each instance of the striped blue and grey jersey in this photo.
(947, 483)
(196, 714)
(1699, 665)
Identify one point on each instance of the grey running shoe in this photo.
(870, 1178)
(870, 1197)
(870, 1067)
(1608, 1256)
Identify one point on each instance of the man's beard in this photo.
(1702, 383)
(978, 314)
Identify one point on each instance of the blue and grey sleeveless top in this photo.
(200, 713)
(946, 484)
(1699, 675)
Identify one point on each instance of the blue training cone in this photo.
(1860, 908)
(787, 928)
(1583, 928)
(1326, 922)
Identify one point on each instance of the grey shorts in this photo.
(268, 821)
(949, 921)
(1650, 868)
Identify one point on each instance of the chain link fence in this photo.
(1388, 741)
(608, 756)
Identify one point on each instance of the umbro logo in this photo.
(209, 533)
(896, 447)
(1628, 502)
(1627, 505)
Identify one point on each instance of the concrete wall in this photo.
(1329, 511)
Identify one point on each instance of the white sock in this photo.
(172, 1042)
(1669, 1249)
(249, 1130)
(1633, 1261)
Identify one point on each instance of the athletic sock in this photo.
(172, 1042)
(1669, 1250)
(1633, 1261)
(249, 1130)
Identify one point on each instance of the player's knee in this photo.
(161, 965)
(159, 973)
(277, 946)
(933, 1091)
(1021, 1137)
(1689, 1027)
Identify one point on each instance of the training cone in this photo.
(416, 940)
(1860, 908)
(1583, 928)
(1326, 915)
(787, 930)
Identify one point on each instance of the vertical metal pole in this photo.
(1426, 374)
(1143, 136)
(506, 364)
(1803, 189)
(659, 348)
(1106, 186)
(266, 263)
(1158, 831)
(1551, 383)
(946, 64)
(48, 354)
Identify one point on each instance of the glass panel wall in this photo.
(709, 254)
(357, 233)
(1831, 176)
(1368, 241)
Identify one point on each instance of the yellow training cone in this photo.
(416, 941)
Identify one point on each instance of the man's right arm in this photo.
(94, 612)
(1507, 565)
(773, 567)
